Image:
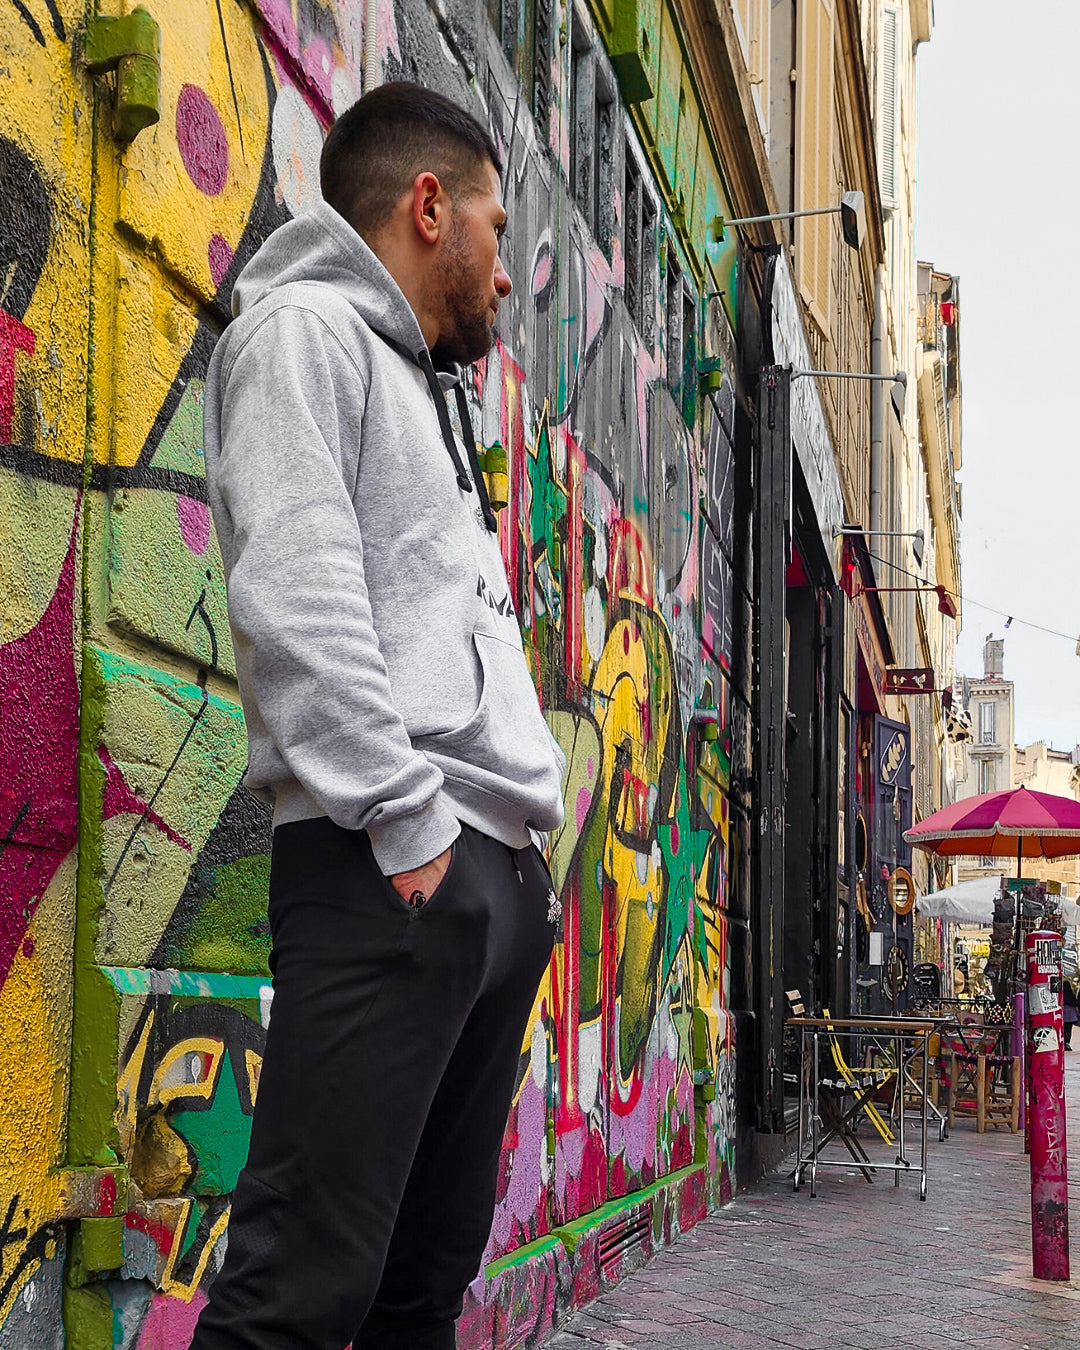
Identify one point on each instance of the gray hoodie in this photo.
(378, 654)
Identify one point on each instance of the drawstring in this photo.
(469, 437)
(444, 420)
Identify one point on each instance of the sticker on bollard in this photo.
(1042, 999)
(1048, 956)
(1044, 1040)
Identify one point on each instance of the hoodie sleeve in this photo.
(291, 404)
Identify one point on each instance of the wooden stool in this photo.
(999, 1077)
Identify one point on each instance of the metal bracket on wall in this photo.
(130, 46)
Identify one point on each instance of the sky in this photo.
(999, 205)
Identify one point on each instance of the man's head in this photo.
(419, 179)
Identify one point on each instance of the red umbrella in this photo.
(1018, 823)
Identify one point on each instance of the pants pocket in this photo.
(418, 902)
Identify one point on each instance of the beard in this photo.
(467, 333)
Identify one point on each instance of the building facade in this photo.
(701, 536)
(989, 760)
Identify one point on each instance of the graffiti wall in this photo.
(134, 987)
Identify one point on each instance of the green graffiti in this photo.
(218, 1136)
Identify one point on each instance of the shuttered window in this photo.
(744, 14)
(761, 58)
(890, 103)
(752, 19)
(814, 185)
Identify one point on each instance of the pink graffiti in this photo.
(39, 692)
(201, 139)
(15, 337)
(581, 807)
(194, 518)
(303, 60)
(121, 801)
(170, 1322)
(219, 256)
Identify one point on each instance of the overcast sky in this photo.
(999, 110)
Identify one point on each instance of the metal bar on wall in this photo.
(771, 535)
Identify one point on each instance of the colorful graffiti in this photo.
(133, 866)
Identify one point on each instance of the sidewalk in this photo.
(862, 1265)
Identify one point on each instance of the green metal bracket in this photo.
(130, 45)
(494, 463)
(711, 381)
(634, 48)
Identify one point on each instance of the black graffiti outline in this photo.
(32, 23)
(8, 1235)
(232, 83)
(33, 1253)
(199, 608)
(157, 791)
(9, 838)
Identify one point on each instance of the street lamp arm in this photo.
(851, 210)
(878, 534)
(784, 215)
(899, 378)
(917, 537)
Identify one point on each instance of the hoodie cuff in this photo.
(413, 840)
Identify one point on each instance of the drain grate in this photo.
(621, 1239)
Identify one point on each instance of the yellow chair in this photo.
(866, 1081)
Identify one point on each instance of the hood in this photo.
(321, 246)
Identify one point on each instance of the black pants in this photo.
(394, 1043)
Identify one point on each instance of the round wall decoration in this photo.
(897, 971)
(902, 891)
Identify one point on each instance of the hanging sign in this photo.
(892, 759)
(917, 680)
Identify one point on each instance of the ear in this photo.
(430, 207)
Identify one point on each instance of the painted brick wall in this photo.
(134, 990)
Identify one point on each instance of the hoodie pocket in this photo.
(497, 658)
(506, 738)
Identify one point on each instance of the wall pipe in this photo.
(877, 404)
(371, 49)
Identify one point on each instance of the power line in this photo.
(967, 600)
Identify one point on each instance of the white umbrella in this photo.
(973, 902)
(966, 902)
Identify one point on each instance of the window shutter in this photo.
(890, 102)
(760, 59)
(743, 10)
(813, 154)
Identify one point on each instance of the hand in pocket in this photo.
(417, 886)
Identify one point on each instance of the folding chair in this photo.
(866, 1080)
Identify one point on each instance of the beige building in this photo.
(990, 761)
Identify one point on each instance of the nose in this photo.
(503, 284)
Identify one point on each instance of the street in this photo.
(861, 1265)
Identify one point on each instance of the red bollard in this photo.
(1046, 1110)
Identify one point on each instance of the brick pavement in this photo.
(861, 1266)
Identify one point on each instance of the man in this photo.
(392, 721)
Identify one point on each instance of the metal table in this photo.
(902, 1038)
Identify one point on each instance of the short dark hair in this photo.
(375, 150)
